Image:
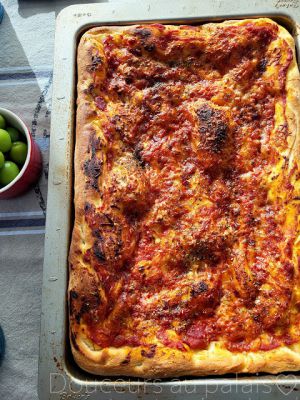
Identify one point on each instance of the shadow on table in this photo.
(27, 8)
(22, 90)
(11, 47)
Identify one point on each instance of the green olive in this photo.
(18, 152)
(8, 172)
(2, 159)
(2, 122)
(13, 133)
(5, 141)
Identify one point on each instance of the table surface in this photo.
(27, 42)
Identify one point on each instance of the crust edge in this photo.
(173, 363)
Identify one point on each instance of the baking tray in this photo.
(59, 377)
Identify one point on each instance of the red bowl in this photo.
(32, 167)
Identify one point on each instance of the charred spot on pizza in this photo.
(100, 103)
(129, 80)
(92, 169)
(126, 361)
(95, 144)
(104, 220)
(262, 65)
(72, 304)
(143, 33)
(146, 39)
(204, 251)
(74, 341)
(96, 63)
(109, 243)
(73, 294)
(149, 47)
(85, 307)
(84, 297)
(199, 288)
(136, 51)
(78, 318)
(90, 307)
(202, 303)
(90, 89)
(205, 113)
(149, 353)
(213, 246)
(213, 128)
(138, 155)
(87, 207)
(118, 123)
(114, 237)
(98, 250)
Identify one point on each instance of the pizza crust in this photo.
(174, 363)
(168, 362)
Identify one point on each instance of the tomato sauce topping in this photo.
(187, 238)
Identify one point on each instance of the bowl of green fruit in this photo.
(20, 156)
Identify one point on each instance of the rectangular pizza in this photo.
(184, 257)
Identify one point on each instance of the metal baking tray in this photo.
(59, 377)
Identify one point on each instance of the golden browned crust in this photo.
(167, 362)
(174, 363)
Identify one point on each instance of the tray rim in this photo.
(71, 22)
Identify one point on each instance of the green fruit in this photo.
(2, 159)
(13, 133)
(18, 152)
(2, 122)
(8, 172)
(5, 141)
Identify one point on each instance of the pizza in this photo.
(185, 248)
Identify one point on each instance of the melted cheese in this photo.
(190, 222)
